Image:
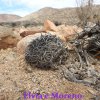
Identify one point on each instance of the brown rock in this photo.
(23, 32)
(50, 26)
(58, 34)
(23, 43)
(26, 33)
(68, 32)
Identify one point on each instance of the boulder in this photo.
(26, 33)
(68, 32)
(50, 26)
(24, 42)
(61, 36)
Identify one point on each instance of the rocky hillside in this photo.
(8, 17)
(60, 16)
(64, 15)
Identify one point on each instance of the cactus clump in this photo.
(46, 51)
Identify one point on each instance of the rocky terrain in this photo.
(65, 15)
(72, 77)
(17, 77)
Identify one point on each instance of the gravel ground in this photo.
(16, 77)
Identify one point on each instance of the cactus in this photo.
(46, 51)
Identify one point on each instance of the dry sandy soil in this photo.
(16, 77)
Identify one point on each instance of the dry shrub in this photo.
(87, 11)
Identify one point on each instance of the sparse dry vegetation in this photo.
(87, 12)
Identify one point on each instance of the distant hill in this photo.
(64, 16)
(8, 17)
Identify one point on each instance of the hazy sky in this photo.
(24, 7)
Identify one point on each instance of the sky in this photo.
(25, 7)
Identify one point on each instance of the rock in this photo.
(61, 36)
(68, 32)
(26, 33)
(23, 43)
(50, 26)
